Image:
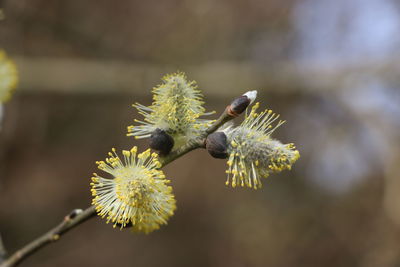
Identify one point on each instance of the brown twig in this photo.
(77, 217)
(225, 117)
(70, 221)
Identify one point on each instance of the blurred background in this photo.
(330, 68)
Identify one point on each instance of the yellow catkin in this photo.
(8, 77)
(253, 154)
(176, 109)
(137, 195)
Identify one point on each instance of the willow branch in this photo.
(77, 217)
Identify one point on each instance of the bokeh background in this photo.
(331, 68)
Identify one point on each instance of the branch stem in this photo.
(76, 217)
(70, 221)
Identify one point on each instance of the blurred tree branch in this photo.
(77, 216)
(3, 252)
(78, 75)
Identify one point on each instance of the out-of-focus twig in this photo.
(3, 252)
(88, 76)
(76, 217)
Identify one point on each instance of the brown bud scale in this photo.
(216, 145)
(161, 142)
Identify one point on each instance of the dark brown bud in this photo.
(161, 142)
(241, 103)
(216, 144)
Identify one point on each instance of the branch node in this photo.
(73, 214)
(55, 237)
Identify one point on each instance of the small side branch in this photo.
(70, 221)
(225, 117)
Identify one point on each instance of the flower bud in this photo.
(161, 141)
(216, 144)
(241, 103)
